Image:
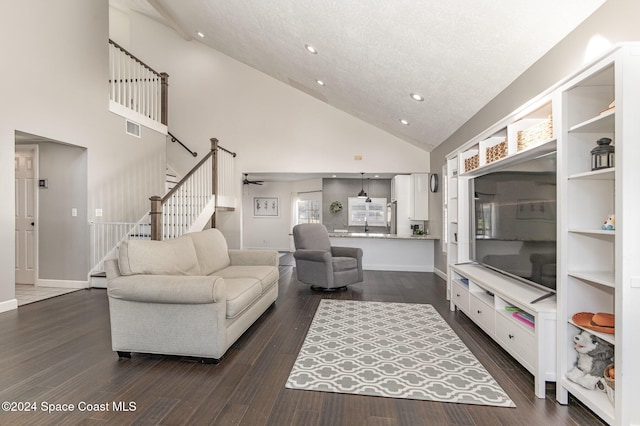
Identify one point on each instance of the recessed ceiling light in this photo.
(405, 122)
(310, 49)
(417, 97)
(200, 34)
(320, 82)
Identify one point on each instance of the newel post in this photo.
(214, 176)
(156, 218)
(164, 98)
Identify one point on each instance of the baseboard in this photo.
(8, 305)
(63, 283)
(439, 273)
(398, 268)
(280, 250)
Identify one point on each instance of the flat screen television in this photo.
(513, 221)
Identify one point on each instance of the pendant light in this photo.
(362, 194)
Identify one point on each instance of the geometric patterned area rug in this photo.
(396, 350)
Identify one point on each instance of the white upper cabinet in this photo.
(419, 193)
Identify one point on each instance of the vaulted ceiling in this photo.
(372, 55)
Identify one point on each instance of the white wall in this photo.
(272, 126)
(56, 87)
(267, 232)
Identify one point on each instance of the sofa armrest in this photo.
(171, 289)
(254, 257)
(347, 252)
(313, 255)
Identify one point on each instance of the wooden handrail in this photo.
(132, 56)
(175, 139)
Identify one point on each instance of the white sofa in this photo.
(190, 296)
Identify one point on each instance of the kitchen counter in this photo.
(390, 252)
(380, 235)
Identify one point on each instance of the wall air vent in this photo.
(133, 129)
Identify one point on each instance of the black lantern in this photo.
(602, 156)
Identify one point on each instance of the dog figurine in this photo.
(594, 354)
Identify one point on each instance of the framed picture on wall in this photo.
(266, 207)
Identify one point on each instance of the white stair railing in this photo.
(136, 86)
(226, 180)
(107, 236)
(175, 213)
(185, 201)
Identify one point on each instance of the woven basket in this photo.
(535, 134)
(496, 152)
(471, 163)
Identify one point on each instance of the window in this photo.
(373, 213)
(308, 211)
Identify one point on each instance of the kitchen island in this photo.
(390, 252)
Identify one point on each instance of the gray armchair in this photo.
(322, 266)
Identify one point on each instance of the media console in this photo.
(503, 308)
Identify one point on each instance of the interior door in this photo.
(25, 216)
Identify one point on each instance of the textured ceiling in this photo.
(458, 54)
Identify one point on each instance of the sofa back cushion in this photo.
(211, 249)
(168, 257)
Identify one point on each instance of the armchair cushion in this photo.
(312, 255)
(169, 257)
(344, 263)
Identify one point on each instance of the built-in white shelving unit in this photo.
(598, 270)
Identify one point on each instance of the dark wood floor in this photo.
(58, 352)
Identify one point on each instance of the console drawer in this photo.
(460, 296)
(482, 314)
(518, 341)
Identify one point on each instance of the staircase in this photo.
(138, 92)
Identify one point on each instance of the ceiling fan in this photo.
(246, 180)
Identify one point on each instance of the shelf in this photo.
(593, 231)
(596, 400)
(600, 124)
(609, 338)
(462, 283)
(484, 296)
(602, 174)
(605, 278)
(508, 315)
(546, 147)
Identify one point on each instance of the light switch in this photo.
(635, 282)
(98, 212)
(74, 212)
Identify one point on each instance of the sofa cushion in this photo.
(169, 257)
(266, 275)
(241, 293)
(211, 249)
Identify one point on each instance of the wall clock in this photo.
(433, 182)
